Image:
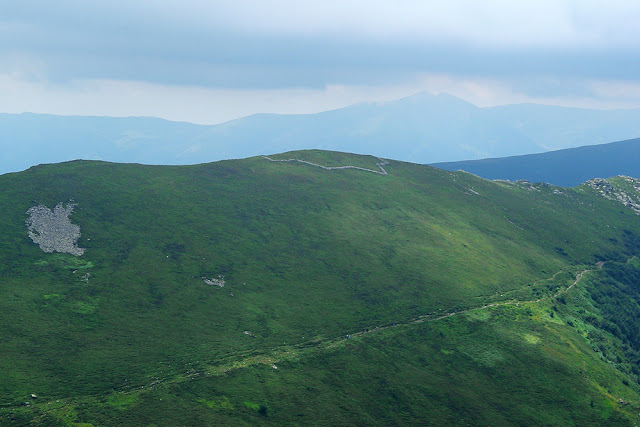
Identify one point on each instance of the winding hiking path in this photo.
(244, 359)
(497, 304)
(380, 165)
(294, 351)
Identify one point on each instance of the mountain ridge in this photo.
(568, 167)
(422, 128)
(266, 292)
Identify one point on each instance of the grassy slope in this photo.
(308, 255)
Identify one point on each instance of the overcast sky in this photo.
(209, 61)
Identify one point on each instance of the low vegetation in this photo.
(417, 297)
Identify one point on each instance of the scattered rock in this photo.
(612, 193)
(219, 281)
(526, 184)
(601, 185)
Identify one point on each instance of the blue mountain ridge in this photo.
(422, 128)
(568, 167)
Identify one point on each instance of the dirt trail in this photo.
(380, 165)
(275, 355)
(284, 352)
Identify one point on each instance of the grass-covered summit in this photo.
(293, 289)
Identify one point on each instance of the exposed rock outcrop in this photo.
(606, 189)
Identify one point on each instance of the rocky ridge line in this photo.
(607, 190)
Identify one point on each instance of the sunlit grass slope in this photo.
(308, 256)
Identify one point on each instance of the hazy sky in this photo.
(208, 61)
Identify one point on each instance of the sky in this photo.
(210, 61)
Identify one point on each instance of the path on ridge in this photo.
(380, 164)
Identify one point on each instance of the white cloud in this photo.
(209, 61)
(287, 43)
(498, 22)
(617, 90)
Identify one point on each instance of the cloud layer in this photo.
(540, 49)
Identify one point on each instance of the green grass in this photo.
(130, 333)
(458, 371)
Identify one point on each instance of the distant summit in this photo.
(425, 98)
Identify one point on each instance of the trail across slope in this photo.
(380, 164)
(282, 353)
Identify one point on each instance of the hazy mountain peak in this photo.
(421, 128)
(440, 100)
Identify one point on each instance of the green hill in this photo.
(293, 290)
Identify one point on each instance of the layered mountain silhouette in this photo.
(567, 167)
(423, 128)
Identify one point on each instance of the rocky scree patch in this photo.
(52, 230)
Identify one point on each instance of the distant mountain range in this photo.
(567, 167)
(422, 128)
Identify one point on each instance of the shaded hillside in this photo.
(291, 289)
(422, 128)
(567, 168)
